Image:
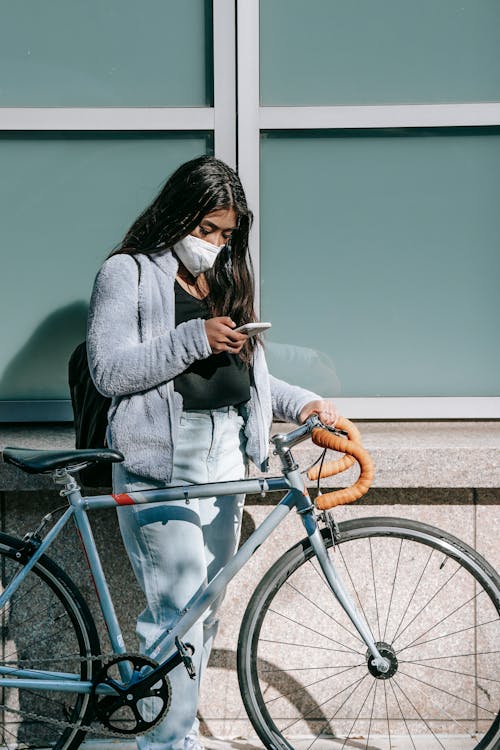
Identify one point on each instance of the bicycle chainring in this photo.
(132, 709)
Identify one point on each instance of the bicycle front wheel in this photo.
(46, 625)
(432, 605)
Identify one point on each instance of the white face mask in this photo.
(197, 255)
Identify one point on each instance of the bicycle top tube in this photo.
(282, 442)
(71, 462)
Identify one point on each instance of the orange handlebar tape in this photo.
(354, 451)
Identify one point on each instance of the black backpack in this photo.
(90, 410)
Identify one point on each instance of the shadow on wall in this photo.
(296, 693)
(301, 365)
(40, 368)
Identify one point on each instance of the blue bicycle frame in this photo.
(165, 647)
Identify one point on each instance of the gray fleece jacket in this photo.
(135, 350)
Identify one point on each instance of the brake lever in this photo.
(335, 431)
(316, 422)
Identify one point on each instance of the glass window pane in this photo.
(380, 261)
(364, 52)
(66, 201)
(113, 53)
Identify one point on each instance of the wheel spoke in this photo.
(411, 596)
(454, 656)
(371, 714)
(37, 641)
(425, 606)
(315, 604)
(402, 715)
(374, 589)
(447, 692)
(443, 619)
(303, 688)
(301, 624)
(11, 734)
(419, 714)
(448, 635)
(43, 696)
(320, 705)
(18, 602)
(371, 687)
(392, 588)
(354, 589)
(309, 669)
(452, 671)
(326, 724)
(387, 715)
(306, 645)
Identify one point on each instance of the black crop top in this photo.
(220, 379)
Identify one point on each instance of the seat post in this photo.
(65, 477)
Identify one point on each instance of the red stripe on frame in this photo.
(123, 499)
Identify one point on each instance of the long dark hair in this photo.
(195, 189)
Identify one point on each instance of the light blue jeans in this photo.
(176, 548)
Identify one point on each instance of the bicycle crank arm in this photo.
(183, 656)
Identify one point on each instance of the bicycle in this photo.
(366, 633)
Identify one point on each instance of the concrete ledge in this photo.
(422, 454)
(406, 454)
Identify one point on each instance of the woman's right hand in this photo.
(222, 337)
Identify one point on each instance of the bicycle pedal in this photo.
(186, 650)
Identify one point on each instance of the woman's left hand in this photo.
(325, 410)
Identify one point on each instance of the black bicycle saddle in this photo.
(43, 461)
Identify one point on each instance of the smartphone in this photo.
(252, 329)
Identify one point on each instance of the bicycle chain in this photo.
(102, 732)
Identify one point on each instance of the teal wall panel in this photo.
(113, 53)
(65, 201)
(326, 52)
(380, 260)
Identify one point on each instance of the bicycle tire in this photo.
(300, 662)
(45, 625)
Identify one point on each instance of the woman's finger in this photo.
(236, 337)
(328, 417)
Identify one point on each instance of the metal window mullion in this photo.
(248, 119)
(224, 46)
(106, 118)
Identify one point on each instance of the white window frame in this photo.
(236, 121)
(254, 118)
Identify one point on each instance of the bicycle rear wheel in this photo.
(45, 625)
(432, 604)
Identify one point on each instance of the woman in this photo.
(192, 400)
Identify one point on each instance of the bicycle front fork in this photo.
(380, 664)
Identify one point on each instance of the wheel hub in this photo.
(388, 653)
